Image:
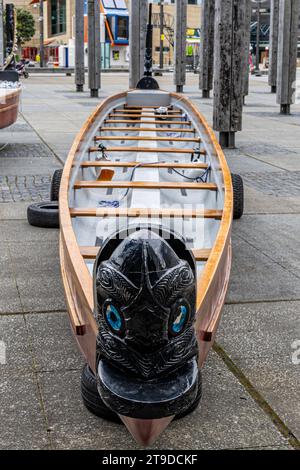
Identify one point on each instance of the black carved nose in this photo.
(147, 329)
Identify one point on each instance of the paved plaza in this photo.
(251, 380)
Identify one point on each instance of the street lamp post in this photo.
(161, 49)
(41, 20)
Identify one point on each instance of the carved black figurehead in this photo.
(145, 297)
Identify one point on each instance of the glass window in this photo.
(122, 27)
(108, 3)
(58, 17)
(121, 4)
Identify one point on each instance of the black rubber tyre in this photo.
(43, 214)
(238, 196)
(95, 405)
(55, 185)
(91, 398)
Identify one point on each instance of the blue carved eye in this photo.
(179, 318)
(114, 318)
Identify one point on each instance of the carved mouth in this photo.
(140, 399)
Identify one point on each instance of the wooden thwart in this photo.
(91, 252)
(107, 164)
(140, 110)
(161, 116)
(141, 121)
(148, 150)
(145, 129)
(144, 185)
(155, 213)
(147, 138)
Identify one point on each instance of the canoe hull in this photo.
(78, 283)
(9, 108)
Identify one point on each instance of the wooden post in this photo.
(247, 48)
(273, 45)
(94, 47)
(230, 32)
(180, 45)
(79, 45)
(207, 47)
(137, 40)
(287, 53)
(1, 35)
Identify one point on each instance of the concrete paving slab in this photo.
(9, 295)
(259, 339)
(54, 346)
(227, 418)
(258, 203)
(256, 277)
(277, 236)
(22, 424)
(13, 334)
(41, 291)
(13, 211)
(20, 231)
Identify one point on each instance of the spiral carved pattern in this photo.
(170, 286)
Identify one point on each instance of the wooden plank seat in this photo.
(189, 151)
(140, 110)
(147, 138)
(144, 185)
(144, 212)
(109, 164)
(141, 121)
(163, 116)
(145, 129)
(91, 252)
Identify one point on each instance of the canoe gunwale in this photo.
(214, 277)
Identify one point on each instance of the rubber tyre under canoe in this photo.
(95, 404)
(55, 185)
(43, 214)
(238, 196)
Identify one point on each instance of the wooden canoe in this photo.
(159, 169)
(9, 106)
(81, 188)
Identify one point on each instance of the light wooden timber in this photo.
(91, 252)
(211, 283)
(147, 138)
(138, 110)
(107, 164)
(173, 213)
(144, 129)
(147, 115)
(149, 150)
(141, 121)
(144, 185)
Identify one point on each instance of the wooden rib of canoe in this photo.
(9, 106)
(170, 169)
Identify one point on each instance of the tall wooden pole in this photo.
(180, 45)
(247, 48)
(41, 20)
(94, 47)
(287, 53)
(273, 45)
(1, 35)
(207, 47)
(230, 31)
(258, 37)
(137, 40)
(79, 45)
